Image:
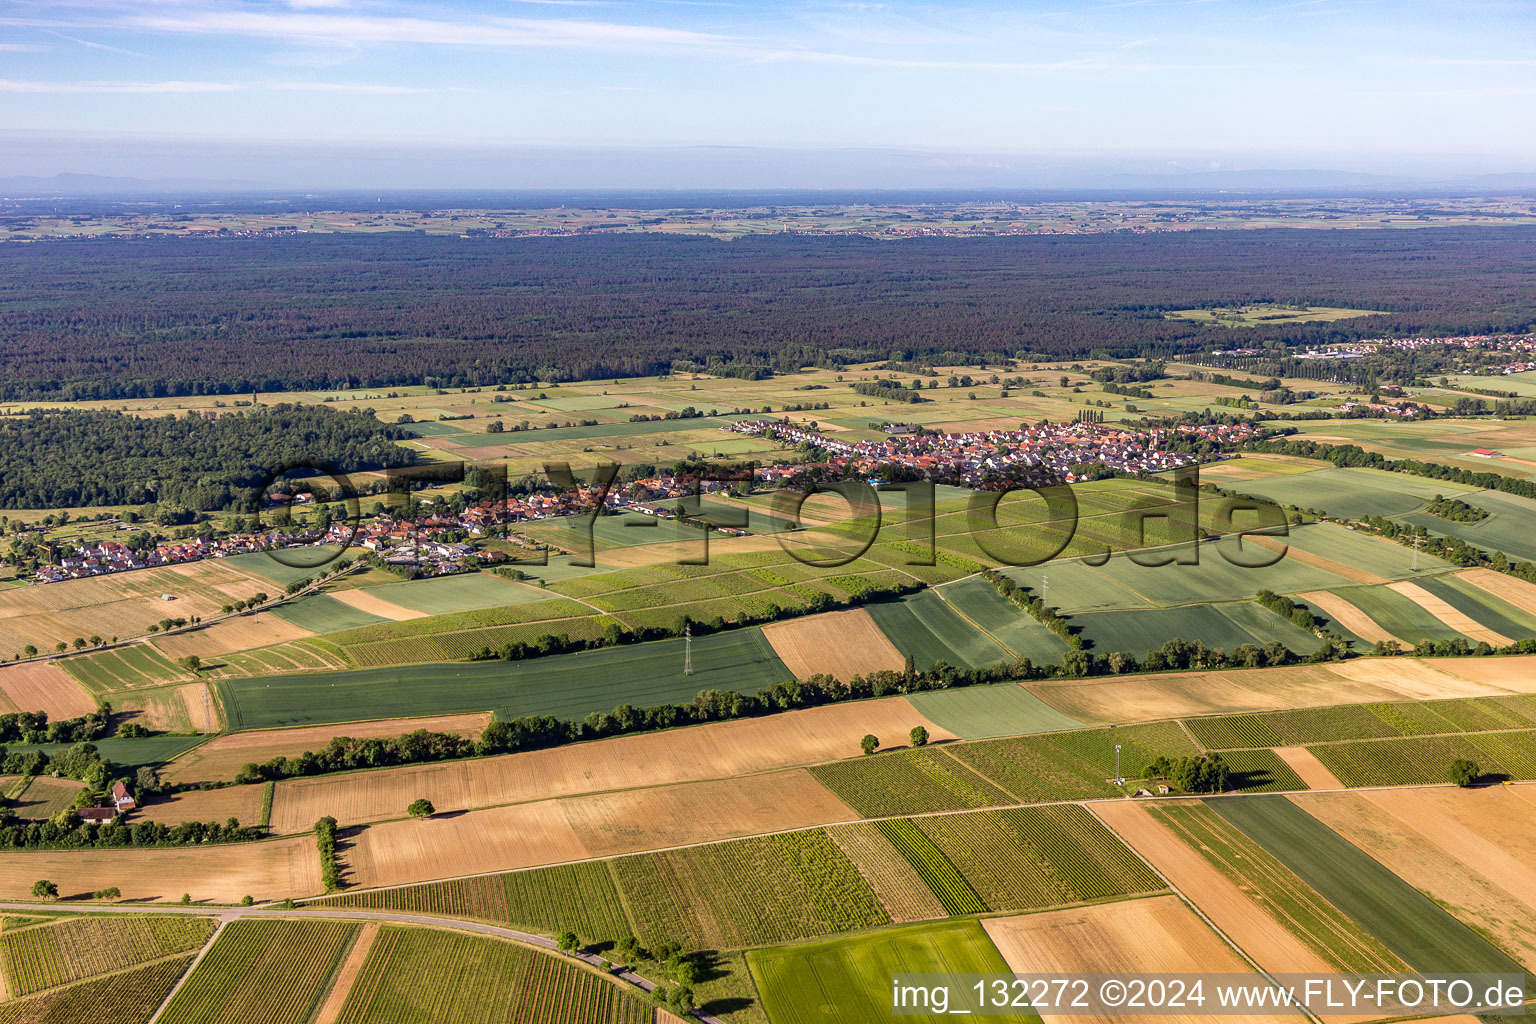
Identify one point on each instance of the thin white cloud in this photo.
(354, 88)
(21, 48)
(503, 32)
(79, 88)
(89, 45)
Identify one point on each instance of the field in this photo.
(243, 803)
(1352, 493)
(1152, 936)
(1227, 626)
(1404, 920)
(46, 796)
(1276, 890)
(566, 685)
(980, 712)
(425, 974)
(928, 629)
(461, 593)
(220, 758)
(320, 613)
(47, 955)
(1009, 626)
(120, 604)
(1455, 845)
(909, 782)
(43, 687)
(224, 873)
(712, 751)
(131, 997)
(1266, 314)
(752, 892)
(1426, 760)
(838, 644)
(1071, 765)
(848, 981)
(557, 831)
(273, 971)
(1449, 615)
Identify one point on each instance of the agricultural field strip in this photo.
(963, 767)
(53, 953)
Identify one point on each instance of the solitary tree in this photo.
(1464, 772)
(421, 807)
(44, 889)
(567, 942)
(870, 743)
(246, 901)
(918, 736)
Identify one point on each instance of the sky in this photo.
(509, 93)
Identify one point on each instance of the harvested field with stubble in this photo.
(272, 870)
(364, 601)
(1504, 587)
(46, 796)
(1308, 768)
(1446, 613)
(220, 758)
(713, 751)
(242, 803)
(1351, 618)
(1456, 845)
(238, 633)
(578, 828)
(1232, 910)
(1159, 935)
(41, 686)
(839, 644)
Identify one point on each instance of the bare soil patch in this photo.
(1305, 764)
(839, 644)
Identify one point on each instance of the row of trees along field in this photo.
(110, 318)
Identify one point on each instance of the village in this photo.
(437, 540)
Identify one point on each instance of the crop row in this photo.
(908, 782)
(47, 955)
(1261, 771)
(418, 974)
(1288, 900)
(935, 869)
(746, 893)
(262, 972)
(1420, 760)
(483, 899)
(1363, 721)
(1083, 856)
(131, 997)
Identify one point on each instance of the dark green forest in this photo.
(110, 318)
(201, 461)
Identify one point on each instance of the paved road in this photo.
(223, 915)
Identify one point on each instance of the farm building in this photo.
(1487, 453)
(98, 815)
(121, 798)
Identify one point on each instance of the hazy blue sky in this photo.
(1398, 84)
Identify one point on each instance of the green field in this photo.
(48, 955)
(848, 981)
(421, 974)
(1426, 760)
(1071, 765)
(1266, 314)
(1289, 901)
(751, 892)
(1400, 917)
(1481, 606)
(131, 667)
(1351, 493)
(1018, 632)
(1511, 527)
(929, 630)
(908, 782)
(981, 712)
(310, 562)
(464, 592)
(129, 753)
(131, 997)
(322, 613)
(565, 685)
(1227, 626)
(272, 971)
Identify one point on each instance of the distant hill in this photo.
(69, 184)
